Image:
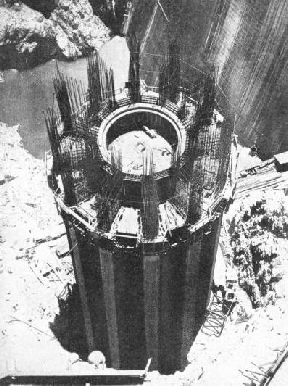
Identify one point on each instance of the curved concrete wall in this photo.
(247, 42)
(140, 305)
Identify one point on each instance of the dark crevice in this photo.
(43, 6)
(68, 326)
(113, 18)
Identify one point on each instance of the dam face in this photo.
(246, 42)
(141, 176)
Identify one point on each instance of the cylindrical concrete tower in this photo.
(141, 176)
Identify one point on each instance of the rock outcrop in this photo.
(27, 38)
(77, 29)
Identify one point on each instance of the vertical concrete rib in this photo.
(193, 255)
(151, 270)
(82, 287)
(217, 226)
(166, 358)
(107, 271)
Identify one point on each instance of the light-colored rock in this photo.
(73, 358)
(97, 359)
(25, 34)
(27, 38)
(77, 29)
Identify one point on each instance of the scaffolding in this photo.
(198, 171)
(170, 75)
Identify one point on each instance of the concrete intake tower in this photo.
(141, 176)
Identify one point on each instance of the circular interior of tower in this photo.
(144, 162)
(141, 139)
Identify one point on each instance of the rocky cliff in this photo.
(27, 38)
(77, 29)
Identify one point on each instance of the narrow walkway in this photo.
(260, 177)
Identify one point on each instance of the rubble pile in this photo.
(255, 230)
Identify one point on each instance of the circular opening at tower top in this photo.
(140, 135)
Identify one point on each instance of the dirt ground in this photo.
(34, 271)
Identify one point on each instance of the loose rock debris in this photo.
(31, 274)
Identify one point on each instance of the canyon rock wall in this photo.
(27, 38)
(77, 29)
